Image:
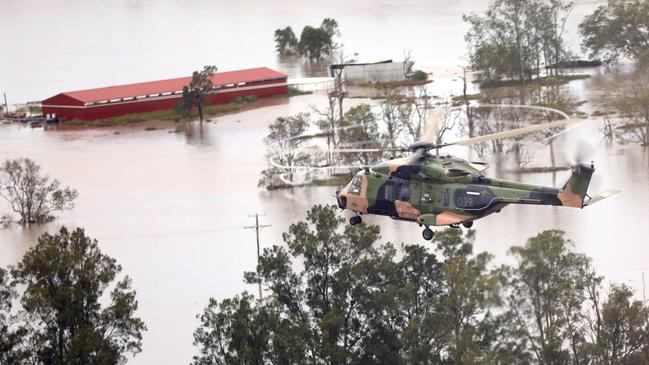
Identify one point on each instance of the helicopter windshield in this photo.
(355, 185)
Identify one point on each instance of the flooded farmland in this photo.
(170, 204)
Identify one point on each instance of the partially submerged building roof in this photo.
(169, 86)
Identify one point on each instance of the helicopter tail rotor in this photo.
(575, 190)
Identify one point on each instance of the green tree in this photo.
(315, 43)
(545, 294)
(286, 42)
(552, 97)
(11, 340)
(283, 138)
(194, 94)
(633, 107)
(65, 276)
(330, 26)
(32, 195)
(389, 104)
(515, 37)
(621, 330)
(338, 297)
(470, 290)
(618, 29)
(234, 331)
(360, 129)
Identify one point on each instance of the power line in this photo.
(257, 227)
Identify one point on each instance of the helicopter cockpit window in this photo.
(355, 187)
(404, 192)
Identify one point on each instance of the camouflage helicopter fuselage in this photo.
(446, 190)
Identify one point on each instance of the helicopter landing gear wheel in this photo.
(355, 220)
(428, 234)
(468, 224)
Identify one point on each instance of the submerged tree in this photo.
(514, 38)
(618, 29)
(390, 99)
(315, 43)
(633, 107)
(286, 42)
(194, 93)
(284, 138)
(33, 196)
(552, 97)
(360, 130)
(65, 277)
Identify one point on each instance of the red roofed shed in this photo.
(112, 101)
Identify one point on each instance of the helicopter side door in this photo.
(428, 198)
(407, 199)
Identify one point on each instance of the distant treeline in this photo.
(314, 43)
(516, 39)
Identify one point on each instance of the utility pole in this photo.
(6, 105)
(257, 227)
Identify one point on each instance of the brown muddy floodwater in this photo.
(171, 207)
(51, 47)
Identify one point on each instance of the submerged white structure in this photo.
(371, 73)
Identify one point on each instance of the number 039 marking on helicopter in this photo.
(448, 191)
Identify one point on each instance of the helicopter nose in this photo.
(341, 200)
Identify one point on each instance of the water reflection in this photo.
(194, 133)
(171, 207)
(172, 214)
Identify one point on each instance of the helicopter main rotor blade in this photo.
(364, 150)
(517, 131)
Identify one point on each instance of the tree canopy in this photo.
(194, 94)
(30, 194)
(338, 296)
(63, 320)
(286, 42)
(617, 29)
(283, 139)
(314, 44)
(515, 38)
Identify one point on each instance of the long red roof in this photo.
(161, 86)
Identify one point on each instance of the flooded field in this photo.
(98, 43)
(171, 207)
(170, 204)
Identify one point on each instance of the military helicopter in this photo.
(434, 190)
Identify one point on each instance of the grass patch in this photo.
(162, 115)
(395, 83)
(459, 99)
(539, 82)
(246, 99)
(335, 180)
(477, 96)
(419, 75)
